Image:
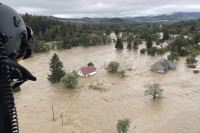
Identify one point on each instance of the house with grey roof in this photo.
(166, 43)
(162, 66)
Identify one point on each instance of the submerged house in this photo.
(166, 43)
(87, 71)
(162, 66)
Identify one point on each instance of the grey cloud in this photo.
(102, 8)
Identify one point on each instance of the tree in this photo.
(155, 91)
(129, 46)
(41, 46)
(196, 38)
(116, 30)
(144, 35)
(90, 64)
(161, 50)
(76, 73)
(75, 41)
(191, 60)
(179, 44)
(155, 37)
(165, 35)
(152, 50)
(56, 68)
(66, 42)
(48, 35)
(58, 38)
(192, 51)
(173, 56)
(138, 40)
(59, 45)
(108, 30)
(84, 39)
(104, 39)
(70, 80)
(40, 36)
(143, 50)
(119, 44)
(129, 38)
(123, 125)
(113, 67)
(135, 45)
(121, 73)
(149, 43)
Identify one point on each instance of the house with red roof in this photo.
(87, 71)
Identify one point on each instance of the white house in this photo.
(87, 71)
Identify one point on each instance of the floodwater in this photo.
(100, 100)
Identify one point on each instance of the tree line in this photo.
(65, 35)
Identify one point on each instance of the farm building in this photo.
(162, 66)
(87, 71)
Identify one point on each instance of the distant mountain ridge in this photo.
(175, 17)
(179, 16)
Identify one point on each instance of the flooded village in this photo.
(90, 66)
(87, 109)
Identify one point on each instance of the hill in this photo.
(175, 17)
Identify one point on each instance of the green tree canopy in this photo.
(108, 30)
(70, 80)
(143, 50)
(90, 64)
(123, 125)
(173, 56)
(56, 68)
(129, 46)
(135, 45)
(191, 60)
(119, 44)
(113, 67)
(165, 35)
(121, 73)
(155, 91)
(129, 38)
(149, 43)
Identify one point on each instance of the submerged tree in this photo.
(121, 73)
(143, 50)
(108, 30)
(119, 44)
(135, 45)
(90, 64)
(56, 68)
(149, 43)
(129, 46)
(191, 60)
(123, 125)
(155, 91)
(70, 80)
(165, 35)
(113, 67)
(173, 56)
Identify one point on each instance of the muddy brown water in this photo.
(89, 110)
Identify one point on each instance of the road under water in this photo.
(89, 110)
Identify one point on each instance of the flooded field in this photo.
(87, 110)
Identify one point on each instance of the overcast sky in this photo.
(102, 8)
